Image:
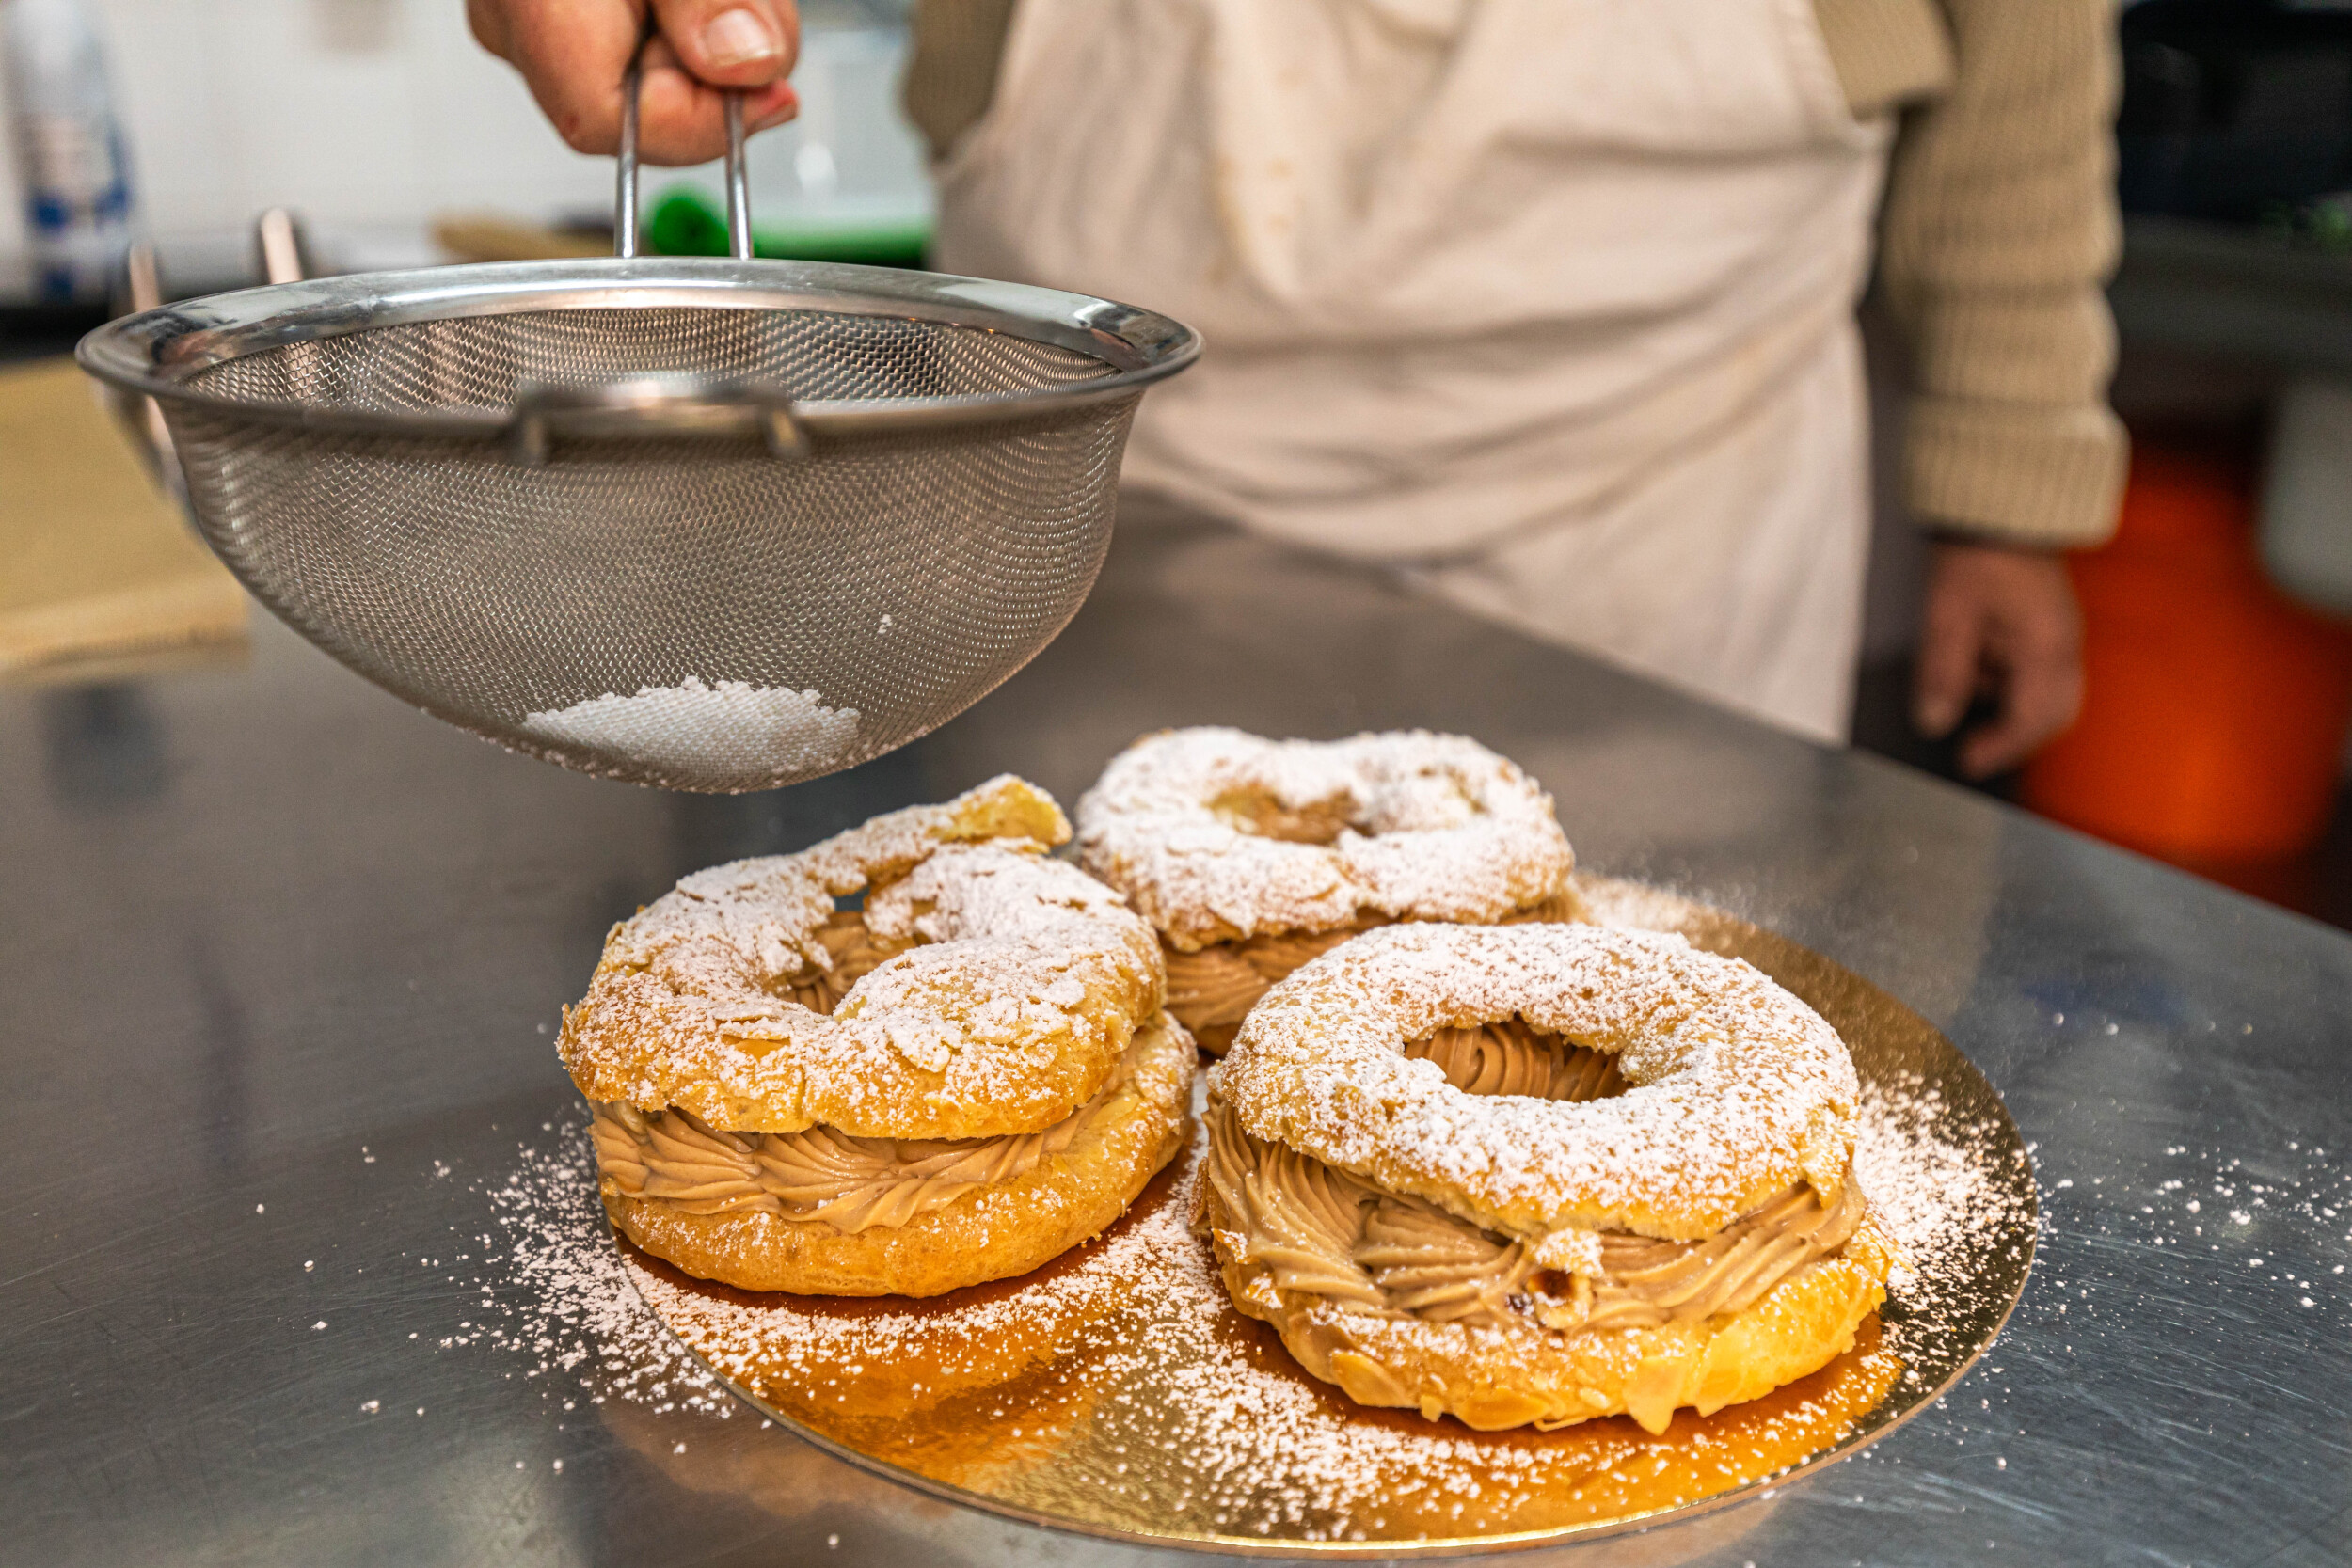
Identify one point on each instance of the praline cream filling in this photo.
(1216, 986)
(1322, 1232)
(1220, 984)
(820, 1174)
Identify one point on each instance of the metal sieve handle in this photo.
(659, 406)
(625, 206)
(652, 406)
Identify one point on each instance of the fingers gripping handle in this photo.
(627, 210)
(671, 407)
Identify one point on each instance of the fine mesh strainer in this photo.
(708, 523)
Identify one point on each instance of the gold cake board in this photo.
(1091, 1395)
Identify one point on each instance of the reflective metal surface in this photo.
(1113, 1406)
(282, 953)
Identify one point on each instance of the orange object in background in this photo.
(2215, 707)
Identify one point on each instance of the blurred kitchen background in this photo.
(379, 122)
(2219, 655)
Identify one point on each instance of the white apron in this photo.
(1549, 302)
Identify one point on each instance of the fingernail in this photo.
(738, 38)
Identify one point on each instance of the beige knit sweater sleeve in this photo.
(1998, 231)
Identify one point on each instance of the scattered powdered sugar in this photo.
(1938, 1184)
(1938, 1199)
(558, 1294)
(1124, 1368)
(732, 727)
(1436, 827)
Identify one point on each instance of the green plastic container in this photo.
(689, 222)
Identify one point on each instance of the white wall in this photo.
(369, 117)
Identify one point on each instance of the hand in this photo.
(2000, 624)
(573, 54)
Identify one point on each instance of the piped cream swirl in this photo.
(819, 1174)
(1212, 989)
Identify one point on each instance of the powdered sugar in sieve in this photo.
(695, 724)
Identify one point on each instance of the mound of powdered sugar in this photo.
(695, 726)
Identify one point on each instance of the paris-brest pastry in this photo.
(916, 1056)
(1541, 1173)
(1253, 856)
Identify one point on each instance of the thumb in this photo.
(732, 44)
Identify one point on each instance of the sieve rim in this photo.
(157, 352)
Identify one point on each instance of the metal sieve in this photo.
(708, 523)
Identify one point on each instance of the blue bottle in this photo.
(68, 147)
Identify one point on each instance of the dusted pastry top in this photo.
(1008, 985)
(1735, 1090)
(1217, 835)
(820, 1174)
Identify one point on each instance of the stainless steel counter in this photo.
(282, 958)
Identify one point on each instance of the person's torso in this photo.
(1462, 265)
